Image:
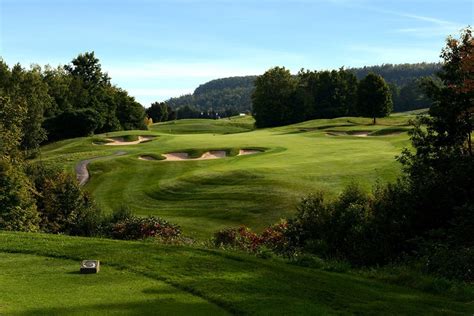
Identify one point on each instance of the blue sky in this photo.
(159, 49)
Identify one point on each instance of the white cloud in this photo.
(399, 54)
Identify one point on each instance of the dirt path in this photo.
(82, 174)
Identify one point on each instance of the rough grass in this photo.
(39, 276)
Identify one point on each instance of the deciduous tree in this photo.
(374, 97)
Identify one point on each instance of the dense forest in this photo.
(280, 98)
(234, 94)
(227, 96)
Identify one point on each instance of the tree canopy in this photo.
(373, 97)
(75, 100)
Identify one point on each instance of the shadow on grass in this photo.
(156, 306)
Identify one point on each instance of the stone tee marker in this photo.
(90, 266)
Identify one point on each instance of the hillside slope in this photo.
(39, 276)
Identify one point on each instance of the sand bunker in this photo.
(360, 134)
(357, 134)
(145, 157)
(212, 154)
(176, 156)
(248, 152)
(119, 141)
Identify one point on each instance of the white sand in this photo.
(119, 141)
(248, 152)
(360, 134)
(213, 154)
(176, 156)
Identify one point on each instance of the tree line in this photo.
(162, 112)
(234, 93)
(74, 100)
(280, 98)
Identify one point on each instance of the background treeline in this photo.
(68, 101)
(227, 96)
(162, 112)
(234, 93)
(280, 98)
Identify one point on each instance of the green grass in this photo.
(129, 138)
(41, 285)
(39, 276)
(255, 190)
(198, 126)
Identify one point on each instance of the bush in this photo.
(242, 238)
(124, 225)
(72, 123)
(62, 205)
(17, 206)
(336, 229)
(450, 261)
(272, 239)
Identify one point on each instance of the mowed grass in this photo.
(41, 285)
(254, 190)
(39, 276)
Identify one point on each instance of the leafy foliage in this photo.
(62, 206)
(124, 225)
(79, 95)
(273, 238)
(272, 98)
(373, 97)
(17, 206)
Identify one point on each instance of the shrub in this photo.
(62, 205)
(123, 225)
(450, 261)
(242, 238)
(17, 206)
(72, 123)
(334, 229)
(272, 239)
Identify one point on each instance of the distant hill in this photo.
(219, 95)
(400, 74)
(234, 93)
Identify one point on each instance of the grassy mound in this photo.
(151, 156)
(203, 126)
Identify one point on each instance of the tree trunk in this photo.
(374, 120)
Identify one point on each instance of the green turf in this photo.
(39, 276)
(255, 190)
(198, 126)
(41, 285)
